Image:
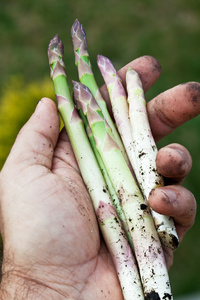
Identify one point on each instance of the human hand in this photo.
(52, 246)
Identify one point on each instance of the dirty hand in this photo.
(52, 245)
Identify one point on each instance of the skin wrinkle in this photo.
(166, 121)
(52, 285)
(68, 158)
(36, 281)
(101, 256)
(46, 161)
(88, 278)
(62, 160)
(50, 142)
(43, 135)
(40, 151)
(33, 289)
(96, 258)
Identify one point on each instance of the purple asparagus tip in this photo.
(56, 46)
(81, 90)
(110, 75)
(104, 63)
(78, 30)
(55, 55)
(83, 96)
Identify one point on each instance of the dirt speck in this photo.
(143, 206)
(152, 296)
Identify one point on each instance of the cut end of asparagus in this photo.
(154, 296)
(169, 240)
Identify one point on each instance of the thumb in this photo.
(37, 139)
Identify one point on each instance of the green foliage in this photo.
(18, 102)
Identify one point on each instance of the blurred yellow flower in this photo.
(17, 103)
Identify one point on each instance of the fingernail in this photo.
(38, 105)
(169, 195)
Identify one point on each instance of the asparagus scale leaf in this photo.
(108, 219)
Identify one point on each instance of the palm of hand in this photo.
(56, 241)
(59, 223)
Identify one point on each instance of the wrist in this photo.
(24, 279)
(29, 283)
(22, 287)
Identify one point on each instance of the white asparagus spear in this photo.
(145, 150)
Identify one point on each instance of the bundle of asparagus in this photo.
(107, 157)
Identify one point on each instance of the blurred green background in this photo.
(121, 30)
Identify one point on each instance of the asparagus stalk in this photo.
(86, 76)
(84, 98)
(147, 246)
(164, 224)
(145, 151)
(109, 222)
(119, 104)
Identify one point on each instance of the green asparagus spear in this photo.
(86, 76)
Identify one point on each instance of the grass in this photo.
(122, 31)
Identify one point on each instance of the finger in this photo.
(174, 161)
(36, 140)
(64, 157)
(177, 202)
(173, 107)
(147, 67)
